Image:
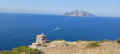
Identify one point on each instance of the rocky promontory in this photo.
(67, 47)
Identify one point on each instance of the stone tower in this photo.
(41, 39)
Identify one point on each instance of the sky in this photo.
(98, 7)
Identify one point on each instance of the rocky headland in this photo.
(43, 46)
(66, 47)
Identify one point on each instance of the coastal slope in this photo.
(81, 47)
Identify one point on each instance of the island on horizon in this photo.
(79, 13)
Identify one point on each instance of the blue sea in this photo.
(21, 29)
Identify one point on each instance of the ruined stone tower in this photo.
(41, 39)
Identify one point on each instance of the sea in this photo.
(17, 29)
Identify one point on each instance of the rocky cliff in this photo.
(78, 13)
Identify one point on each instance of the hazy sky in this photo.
(97, 7)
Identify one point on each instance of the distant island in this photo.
(78, 13)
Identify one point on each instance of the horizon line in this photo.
(50, 14)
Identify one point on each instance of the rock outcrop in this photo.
(78, 13)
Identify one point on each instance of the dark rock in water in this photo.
(78, 13)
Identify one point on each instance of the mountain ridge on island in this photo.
(79, 13)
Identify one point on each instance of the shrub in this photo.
(78, 41)
(36, 51)
(105, 40)
(41, 45)
(22, 49)
(8, 52)
(66, 44)
(118, 41)
(44, 45)
(92, 45)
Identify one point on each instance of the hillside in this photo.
(66, 47)
(79, 47)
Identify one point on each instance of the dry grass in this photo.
(80, 48)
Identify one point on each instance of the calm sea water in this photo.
(21, 29)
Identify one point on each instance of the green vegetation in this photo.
(97, 41)
(78, 41)
(105, 40)
(38, 45)
(22, 49)
(44, 45)
(66, 44)
(7, 52)
(41, 45)
(118, 41)
(87, 40)
(93, 45)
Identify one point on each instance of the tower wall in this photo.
(39, 39)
